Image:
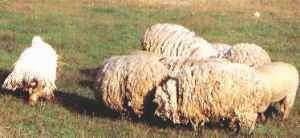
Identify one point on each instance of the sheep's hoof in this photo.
(261, 118)
(236, 128)
(247, 131)
(32, 102)
(50, 98)
(29, 91)
(280, 116)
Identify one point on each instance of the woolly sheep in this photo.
(126, 83)
(177, 63)
(175, 40)
(212, 91)
(250, 54)
(284, 81)
(221, 48)
(34, 71)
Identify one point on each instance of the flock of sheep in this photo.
(187, 79)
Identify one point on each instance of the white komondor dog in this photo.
(35, 71)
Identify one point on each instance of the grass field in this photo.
(84, 32)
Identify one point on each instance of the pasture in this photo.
(85, 32)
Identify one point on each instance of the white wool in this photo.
(249, 54)
(221, 48)
(38, 62)
(176, 40)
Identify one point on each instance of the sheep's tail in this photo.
(11, 83)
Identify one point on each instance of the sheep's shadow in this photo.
(95, 108)
(89, 77)
(148, 118)
(272, 112)
(17, 93)
(3, 75)
(83, 105)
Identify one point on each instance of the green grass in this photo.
(85, 35)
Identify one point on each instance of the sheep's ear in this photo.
(37, 40)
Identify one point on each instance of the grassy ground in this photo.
(85, 32)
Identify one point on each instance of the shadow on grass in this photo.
(3, 75)
(95, 108)
(17, 93)
(84, 105)
(90, 77)
(272, 113)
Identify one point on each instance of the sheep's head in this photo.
(37, 41)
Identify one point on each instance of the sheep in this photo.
(246, 53)
(212, 91)
(126, 83)
(177, 63)
(175, 40)
(284, 82)
(221, 48)
(34, 71)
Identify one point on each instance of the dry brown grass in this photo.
(36, 6)
(3, 132)
(7, 39)
(17, 6)
(85, 32)
(287, 8)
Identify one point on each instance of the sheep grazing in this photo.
(250, 54)
(212, 91)
(284, 81)
(127, 83)
(175, 40)
(34, 71)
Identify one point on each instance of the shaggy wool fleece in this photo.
(37, 63)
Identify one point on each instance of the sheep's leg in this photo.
(34, 97)
(49, 96)
(247, 122)
(36, 94)
(286, 104)
(283, 108)
(30, 91)
(234, 124)
(261, 118)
